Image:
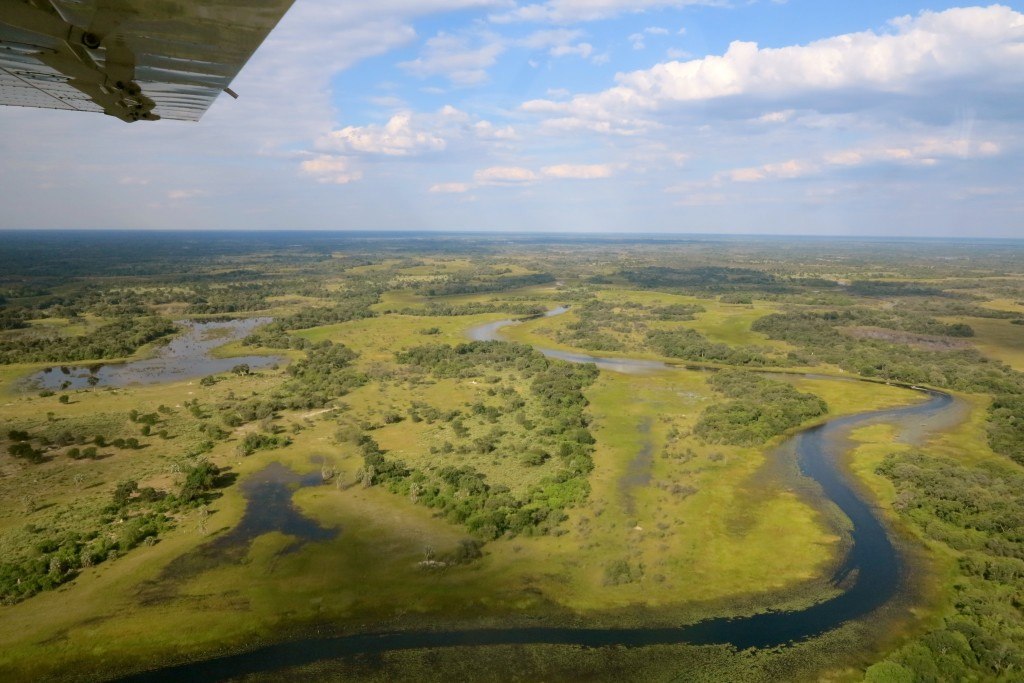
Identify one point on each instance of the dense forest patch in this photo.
(757, 410)
(978, 512)
(118, 339)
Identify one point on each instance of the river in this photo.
(871, 571)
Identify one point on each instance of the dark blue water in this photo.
(871, 573)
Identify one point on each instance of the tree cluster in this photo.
(978, 512)
(118, 339)
(759, 409)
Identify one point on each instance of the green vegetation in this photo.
(483, 483)
(758, 409)
(118, 339)
(978, 513)
(134, 516)
(691, 345)
(461, 493)
(1006, 426)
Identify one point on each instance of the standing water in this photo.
(187, 356)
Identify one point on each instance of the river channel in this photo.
(871, 572)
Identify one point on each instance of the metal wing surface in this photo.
(133, 59)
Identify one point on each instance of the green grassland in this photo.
(673, 528)
(998, 339)
(700, 535)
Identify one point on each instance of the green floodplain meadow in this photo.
(486, 486)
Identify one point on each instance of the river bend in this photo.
(871, 571)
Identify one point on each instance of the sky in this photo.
(867, 118)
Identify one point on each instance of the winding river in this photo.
(871, 571)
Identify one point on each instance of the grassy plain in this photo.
(998, 339)
(693, 533)
(674, 529)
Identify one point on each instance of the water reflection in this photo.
(186, 356)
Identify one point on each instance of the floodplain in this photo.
(413, 481)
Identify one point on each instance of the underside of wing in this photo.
(133, 59)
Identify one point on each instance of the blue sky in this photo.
(696, 116)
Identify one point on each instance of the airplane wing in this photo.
(133, 59)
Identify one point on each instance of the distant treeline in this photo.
(713, 278)
(435, 309)
(460, 285)
(819, 338)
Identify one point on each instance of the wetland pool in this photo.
(186, 356)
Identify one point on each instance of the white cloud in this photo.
(601, 116)
(777, 116)
(957, 42)
(178, 195)
(569, 11)
(558, 42)
(463, 60)
(781, 171)
(505, 175)
(928, 151)
(451, 188)
(551, 38)
(398, 137)
(485, 130)
(407, 135)
(582, 50)
(331, 169)
(980, 45)
(578, 172)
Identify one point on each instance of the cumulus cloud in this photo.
(331, 169)
(578, 172)
(977, 45)
(925, 151)
(463, 60)
(569, 11)
(505, 175)
(451, 188)
(928, 151)
(519, 175)
(487, 131)
(412, 134)
(784, 170)
(178, 195)
(398, 137)
(777, 116)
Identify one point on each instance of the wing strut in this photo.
(108, 79)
